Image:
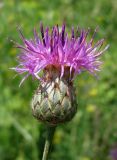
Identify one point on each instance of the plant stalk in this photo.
(49, 136)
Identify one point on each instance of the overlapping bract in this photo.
(60, 50)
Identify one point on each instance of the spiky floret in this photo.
(57, 49)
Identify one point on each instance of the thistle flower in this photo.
(113, 153)
(61, 58)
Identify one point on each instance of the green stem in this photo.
(49, 137)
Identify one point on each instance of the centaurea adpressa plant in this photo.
(60, 58)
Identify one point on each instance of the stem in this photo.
(49, 137)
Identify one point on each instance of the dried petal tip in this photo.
(56, 49)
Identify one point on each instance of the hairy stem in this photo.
(49, 136)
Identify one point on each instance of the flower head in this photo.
(55, 49)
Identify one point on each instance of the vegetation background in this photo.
(92, 134)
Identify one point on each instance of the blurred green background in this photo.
(93, 131)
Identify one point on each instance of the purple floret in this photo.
(58, 49)
(113, 153)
